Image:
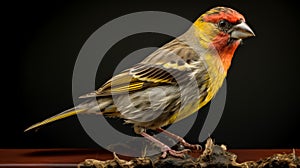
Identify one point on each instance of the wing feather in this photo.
(162, 67)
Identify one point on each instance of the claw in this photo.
(199, 147)
(164, 154)
(194, 147)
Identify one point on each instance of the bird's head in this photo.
(222, 28)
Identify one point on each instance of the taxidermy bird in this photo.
(201, 55)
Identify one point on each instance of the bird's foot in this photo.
(166, 149)
(174, 153)
(190, 146)
(181, 140)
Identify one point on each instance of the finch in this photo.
(149, 94)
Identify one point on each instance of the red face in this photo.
(231, 28)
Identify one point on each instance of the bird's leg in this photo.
(164, 148)
(180, 139)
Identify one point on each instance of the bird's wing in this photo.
(165, 66)
(137, 78)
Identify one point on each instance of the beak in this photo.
(241, 31)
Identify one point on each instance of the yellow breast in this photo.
(217, 75)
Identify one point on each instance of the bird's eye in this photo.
(223, 23)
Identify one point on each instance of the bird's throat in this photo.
(226, 51)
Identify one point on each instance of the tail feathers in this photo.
(89, 106)
(59, 116)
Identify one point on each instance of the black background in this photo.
(42, 41)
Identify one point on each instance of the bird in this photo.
(148, 95)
